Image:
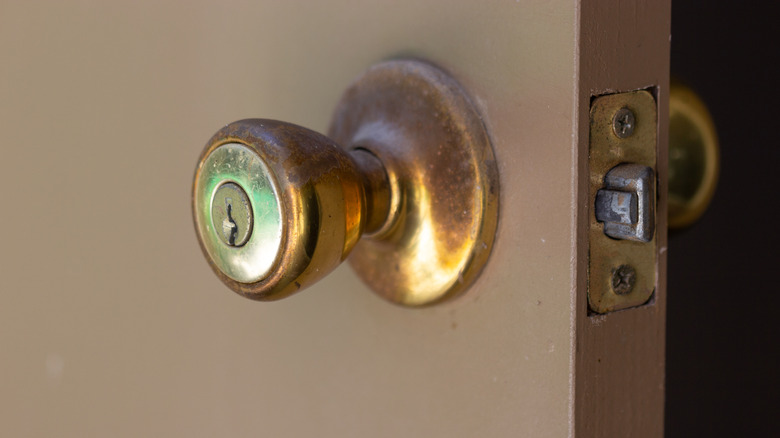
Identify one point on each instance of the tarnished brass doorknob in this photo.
(407, 164)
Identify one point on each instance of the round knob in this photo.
(409, 166)
(277, 206)
(693, 157)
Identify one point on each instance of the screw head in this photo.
(623, 279)
(231, 214)
(623, 123)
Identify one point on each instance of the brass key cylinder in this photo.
(306, 198)
(408, 165)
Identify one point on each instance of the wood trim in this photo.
(619, 356)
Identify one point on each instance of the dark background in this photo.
(724, 271)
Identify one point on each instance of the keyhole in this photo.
(229, 227)
(231, 214)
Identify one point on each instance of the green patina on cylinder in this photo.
(245, 243)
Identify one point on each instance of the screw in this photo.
(623, 279)
(231, 214)
(623, 123)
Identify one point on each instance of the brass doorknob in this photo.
(694, 156)
(407, 166)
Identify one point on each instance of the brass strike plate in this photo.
(621, 273)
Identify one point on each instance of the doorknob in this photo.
(694, 156)
(406, 182)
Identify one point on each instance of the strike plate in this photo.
(623, 130)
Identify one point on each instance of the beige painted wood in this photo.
(111, 322)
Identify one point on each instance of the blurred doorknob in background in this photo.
(694, 156)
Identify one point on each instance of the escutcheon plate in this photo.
(444, 181)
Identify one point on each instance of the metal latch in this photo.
(627, 205)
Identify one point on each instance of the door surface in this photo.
(113, 325)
